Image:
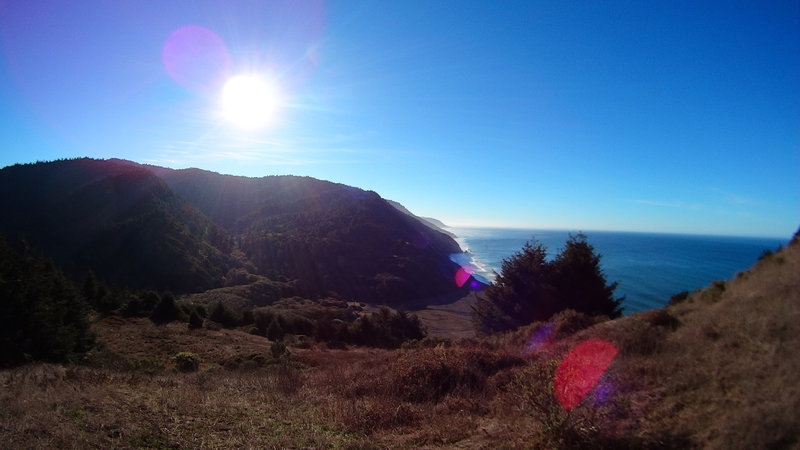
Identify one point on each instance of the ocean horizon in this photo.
(649, 267)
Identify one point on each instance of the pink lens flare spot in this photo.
(196, 58)
(540, 338)
(462, 275)
(580, 371)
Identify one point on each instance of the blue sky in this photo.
(642, 116)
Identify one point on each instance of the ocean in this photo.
(649, 267)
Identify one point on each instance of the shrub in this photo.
(680, 297)
(430, 374)
(223, 315)
(386, 329)
(187, 362)
(278, 350)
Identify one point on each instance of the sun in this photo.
(249, 101)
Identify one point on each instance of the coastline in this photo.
(649, 267)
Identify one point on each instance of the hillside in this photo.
(115, 218)
(142, 226)
(726, 375)
(716, 370)
(334, 239)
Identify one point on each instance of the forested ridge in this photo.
(146, 227)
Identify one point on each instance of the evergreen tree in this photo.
(579, 281)
(520, 294)
(165, 311)
(195, 321)
(223, 315)
(89, 289)
(531, 288)
(274, 330)
(42, 314)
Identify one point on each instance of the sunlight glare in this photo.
(249, 101)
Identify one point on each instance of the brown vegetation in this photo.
(715, 370)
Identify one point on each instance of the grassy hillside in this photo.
(717, 370)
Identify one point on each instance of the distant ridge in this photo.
(152, 227)
(435, 224)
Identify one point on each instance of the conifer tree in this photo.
(531, 288)
(42, 314)
(195, 321)
(165, 311)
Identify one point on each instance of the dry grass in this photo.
(717, 370)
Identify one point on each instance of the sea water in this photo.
(649, 267)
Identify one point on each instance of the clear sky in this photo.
(642, 116)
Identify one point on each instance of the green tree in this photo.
(195, 321)
(42, 314)
(580, 283)
(275, 330)
(531, 288)
(165, 311)
(223, 315)
(520, 294)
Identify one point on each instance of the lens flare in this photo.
(539, 338)
(581, 370)
(196, 58)
(462, 276)
(468, 271)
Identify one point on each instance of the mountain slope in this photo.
(334, 239)
(116, 218)
(151, 227)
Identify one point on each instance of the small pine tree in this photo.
(195, 321)
(149, 301)
(223, 315)
(274, 330)
(89, 289)
(165, 311)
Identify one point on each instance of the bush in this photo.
(285, 322)
(166, 310)
(430, 374)
(278, 350)
(530, 288)
(187, 362)
(680, 297)
(223, 315)
(385, 329)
